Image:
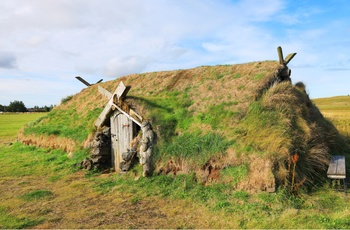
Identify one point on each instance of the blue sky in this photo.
(44, 44)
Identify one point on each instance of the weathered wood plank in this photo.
(122, 134)
(104, 114)
(120, 93)
(126, 114)
(336, 169)
(122, 90)
(104, 92)
(341, 166)
(289, 58)
(83, 81)
(280, 55)
(134, 114)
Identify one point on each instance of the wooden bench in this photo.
(337, 170)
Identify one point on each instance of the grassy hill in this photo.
(246, 125)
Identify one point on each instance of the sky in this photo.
(44, 44)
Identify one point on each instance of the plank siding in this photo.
(122, 135)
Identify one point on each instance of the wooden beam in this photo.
(126, 114)
(106, 111)
(133, 113)
(122, 90)
(289, 58)
(104, 114)
(283, 61)
(120, 94)
(104, 92)
(83, 81)
(280, 55)
(99, 81)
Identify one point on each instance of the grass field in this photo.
(42, 188)
(337, 110)
(10, 123)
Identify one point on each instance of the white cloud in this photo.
(55, 40)
(118, 67)
(7, 60)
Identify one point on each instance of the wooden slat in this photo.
(126, 114)
(104, 114)
(134, 114)
(336, 169)
(83, 81)
(99, 81)
(341, 165)
(104, 92)
(289, 58)
(122, 90)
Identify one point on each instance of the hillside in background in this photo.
(245, 125)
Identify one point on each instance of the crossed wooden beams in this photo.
(85, 82)
(288, 58)
(286, 72)
(115, 99)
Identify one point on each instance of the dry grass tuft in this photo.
(51, 142)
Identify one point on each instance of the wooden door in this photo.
(121, 135)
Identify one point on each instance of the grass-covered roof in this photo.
(240, 124)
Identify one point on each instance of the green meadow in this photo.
(337, 110)
(10, 123)
(42, 188)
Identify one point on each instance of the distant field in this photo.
(10, 123)
(337, 110)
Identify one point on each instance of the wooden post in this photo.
(283, 61)
(280, 55)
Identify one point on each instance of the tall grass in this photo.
(285, 123)
(65, 123)
(194, 147)
(168, 112)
